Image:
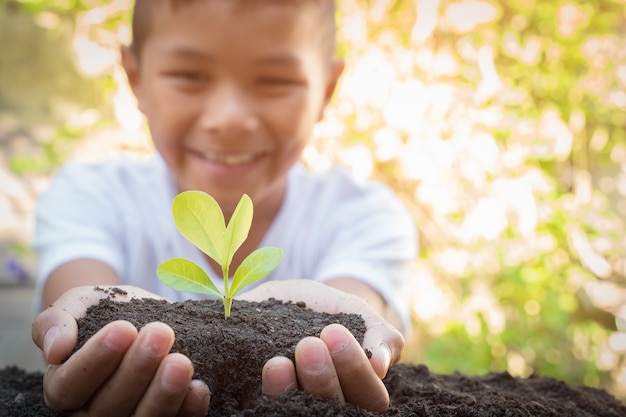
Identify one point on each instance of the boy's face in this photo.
(231, 91)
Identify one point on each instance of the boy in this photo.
(231, 90)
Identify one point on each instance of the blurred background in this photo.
(500, 124)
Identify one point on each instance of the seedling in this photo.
(199, 218)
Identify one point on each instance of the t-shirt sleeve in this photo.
(374, 240)
(76, 219)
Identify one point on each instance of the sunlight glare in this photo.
(428, 300)
(605, 295)
(618, 99)
(570, 17)
(426, 22)
(359, 159)
(125, 105)
(552, 127)
(406, 105)
(617, 342)
(369, 80)
(516, 365)
(465, 15)
(388, 144)
(486, 220)
(455, 262)
(520, 200)
(48, 20)
(588, 256)
(354, 26)
(93, 59)
(95, 16)
(490, 82)
(482, 304)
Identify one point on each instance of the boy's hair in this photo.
(143, 13)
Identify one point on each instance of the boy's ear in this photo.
(130, 63)
(335, 72)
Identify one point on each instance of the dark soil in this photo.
(229, 354)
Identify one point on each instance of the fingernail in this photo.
(336, 338)
(385, 354)
(282, 377)
(174, 377)
(117, 339)
(199, 389)
(314, 359)
(154, 344)
(49, 339)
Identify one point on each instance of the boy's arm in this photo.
(77, 273)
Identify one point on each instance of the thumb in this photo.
(385, 344)
(55, 332)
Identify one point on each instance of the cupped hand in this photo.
(333, 364)
(119, 371)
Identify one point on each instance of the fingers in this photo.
(69, 386)
(126, 386)
(315, 369)
(121, 372)
(55, 330)
(334, 365)
(360, 384)
(169, 388)
(151, 382)
(279, 376)
(118, 371)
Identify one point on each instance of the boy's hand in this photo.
(119, 371)
(333, 364)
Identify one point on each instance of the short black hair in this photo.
(143, 17)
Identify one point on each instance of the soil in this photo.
(229, 355)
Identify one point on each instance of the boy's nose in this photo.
(229, 111)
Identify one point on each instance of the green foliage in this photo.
(199, 218)
(41, 87)
(517, 298)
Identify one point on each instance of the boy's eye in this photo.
(276, 81)
(277, 84)
(189, 76)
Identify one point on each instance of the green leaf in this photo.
(199, 218)
(238, 227)
(256, 266)
(183, 275)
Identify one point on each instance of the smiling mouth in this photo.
(229, 159)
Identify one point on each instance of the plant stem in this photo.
(227, 299)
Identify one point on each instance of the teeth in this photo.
(229, 159)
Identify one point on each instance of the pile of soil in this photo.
(228, 354)
(257, 331)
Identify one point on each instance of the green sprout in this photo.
(199, 218)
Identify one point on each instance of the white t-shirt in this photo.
(329, 226)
